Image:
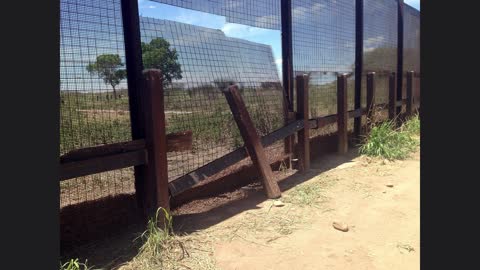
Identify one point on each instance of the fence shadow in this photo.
(188, 223)
(112, 252)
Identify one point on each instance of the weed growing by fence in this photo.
(163, 249)
(74, 264)
(387, 141)
(412, 126)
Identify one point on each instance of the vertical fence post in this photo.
(134, 65)
(357, 124)
(302, 114)
(370, 95)
(287, 70)
(410, 93)
(252, 141)
(342, 113)
(399, 54)
(392, 96)
(156, 174)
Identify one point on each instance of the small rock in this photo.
(278, 203)
(389, 185)
(384, 192)
(340, 226)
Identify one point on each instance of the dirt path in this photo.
(384, 223)
(243, 230)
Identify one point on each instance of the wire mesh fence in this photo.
(411, 45)
(323, 34)
(203, 47)
(209, 61)
(94, 99)
(380, 46)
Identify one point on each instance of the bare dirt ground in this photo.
(384, 224)
(378, 200)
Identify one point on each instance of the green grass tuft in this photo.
(386, 141)
(412, 126)
(74, 264)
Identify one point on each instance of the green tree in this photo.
(108, 68)
(157, 54)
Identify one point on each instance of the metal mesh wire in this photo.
(210, 61)
(411, 46)
(90, 114)
(411, 39)
(380, 30)
(323, 34)
(256, 13)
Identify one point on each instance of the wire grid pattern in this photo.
(323, 36)
(90, 114)
(411, 43)
(411, 39)
(256, 13)
(380, 44)
(210, 61)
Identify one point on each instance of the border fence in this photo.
(133, 138)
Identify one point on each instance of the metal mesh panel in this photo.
(411, 46)
(323, 34)
(91, 112)
(257, 13)
(210, 61)
(380, 44)
(411, 39)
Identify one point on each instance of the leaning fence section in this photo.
(206, 48)
(208, 61)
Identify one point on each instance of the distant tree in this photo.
(157, 54)
(108, 68)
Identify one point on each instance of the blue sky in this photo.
(260, 35)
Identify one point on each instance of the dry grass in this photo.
(163, 249)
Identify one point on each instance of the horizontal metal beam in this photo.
(80, 168)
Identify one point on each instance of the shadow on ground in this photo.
(115, 251)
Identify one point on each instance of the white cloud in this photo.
(301, 12)
(373, 42)
(151, 6)
(278, 63)
(242, 31)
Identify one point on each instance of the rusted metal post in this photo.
(302, 114)
(156, 171)
(370, 95)
(392, 96)
(410, 93)
(400, 6)
(134, 65)
(342, 113)
(287, 72)
(357, 122)
(252, 141)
